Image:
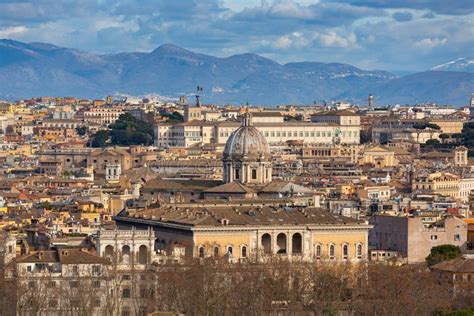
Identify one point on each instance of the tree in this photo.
(432, 142)
(100, 138)
(441, 253)
(82, 130)
(419, 127)
(365, 137)
(444, 137)
(128, 130)
(174, 117)
(433, 126)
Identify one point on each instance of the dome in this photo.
(246, 143)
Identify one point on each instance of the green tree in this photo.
(174, 117)
(365, 137)
(128, 130)
(419, 127)
(82, 130)
(444, 137)
(100, 139)
(441, 253)
(433, 126)
(432, 142)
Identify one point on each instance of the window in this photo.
(359, 251)
(331, 252)
(216, 252)
(229, 250)
(318, 252)
(244, 252)
(237, 174)
(126, 293)
(434, 237)
(75, 269)
(73, 284)
(96, 284)
(95, 269)
(52, 284)
(345, 252)
(254, 174)
(457, 237)
(28, 268)
(126, 277)
(53, 303)
(201, 252)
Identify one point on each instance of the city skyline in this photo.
(399, 36)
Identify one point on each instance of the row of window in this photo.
(229, 251)
(332, 251)
(318, 251)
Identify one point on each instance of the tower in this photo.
(246, 157)
(471, 108)
(460, 156)
(371, 102)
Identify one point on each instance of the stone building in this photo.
(248, 216)
(412, 238)
(55, 282)
(186, 134)
(247, 156)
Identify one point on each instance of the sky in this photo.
(394, 35)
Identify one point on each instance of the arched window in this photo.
(244, 252)
(345, 251)
(142, 254)
(359, 251)
(331, 252)
(216, 252)
(230, 250)
(318, 251)
(296, 243)
(109, 252)
(126, 254)
(201, 252)
(267, 243)
(281, 243)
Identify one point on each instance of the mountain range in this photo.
(37, 69)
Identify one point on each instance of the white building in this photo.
(335, 130)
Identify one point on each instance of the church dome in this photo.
(246, 143)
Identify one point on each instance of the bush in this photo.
(442, 253)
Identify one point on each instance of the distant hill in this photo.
(35, 69)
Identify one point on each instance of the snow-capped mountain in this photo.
(35, 69)
(463, 64)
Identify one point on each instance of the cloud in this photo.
(332, 39)
(428, 15)
(12, 31)
(290, 10)
(294, 40)
(39, 11)
(450, 7)
(402, 16)
(430, 43)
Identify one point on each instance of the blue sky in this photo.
(396, 35)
